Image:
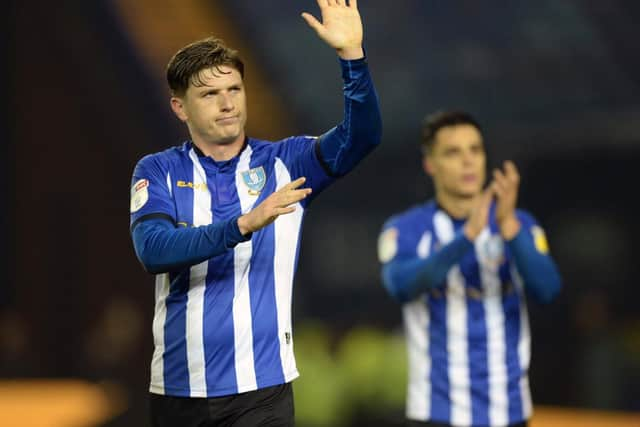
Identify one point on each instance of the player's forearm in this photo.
(361, 129)
(539, 272)
(406, 279)
(161, 247)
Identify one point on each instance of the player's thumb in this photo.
(312, 21)
(486, 197)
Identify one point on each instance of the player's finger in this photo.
(511, 170)
(501, 188)
(339, 2)
(353, 4)
(285, 198)
(285, 210)
(497, 189)
(499, 177)
(487, 195)
(331, 2)
(295, 196)
(294, 184)
(322, 3)
(312, 22)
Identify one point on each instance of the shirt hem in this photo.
(421, 419)
(223, 391)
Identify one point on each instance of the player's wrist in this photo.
(470, 232)
(509, 227)
(351, 53)
(244, 225)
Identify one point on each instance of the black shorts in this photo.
(412, 423)
(271, 406)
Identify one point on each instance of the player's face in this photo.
(217, 111)
(457, 161)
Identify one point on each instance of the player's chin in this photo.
(468, 191)
(228, 138)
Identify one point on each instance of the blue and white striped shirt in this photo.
(222, 325)
(468, 337)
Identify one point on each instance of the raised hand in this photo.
(341, 27)
(278, 203)
(505, 186)
(479, 216)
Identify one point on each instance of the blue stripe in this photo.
(477, 343)
(176, 367)
(219, 338)
(266, 345)
(511, 306)
(176, 373)
(439, 377)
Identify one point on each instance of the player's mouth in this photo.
(470, 178)
(230, 120)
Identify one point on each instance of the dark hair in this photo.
(432, 123)
(185, 66)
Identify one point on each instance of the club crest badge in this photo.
(254, 179)
(491, 252)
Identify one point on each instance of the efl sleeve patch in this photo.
(388, 245)
(139, 195)
(540, 239)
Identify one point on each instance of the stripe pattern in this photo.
(242, 318)
(224, 326)
(468, 342)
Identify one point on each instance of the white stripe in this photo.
(494, 321)
(416, 323)
(424, 245)
(242, 319)
(457, 335)
(197, 285)
(524, 346)
(159, 318)
(169, 184)
(287, 232)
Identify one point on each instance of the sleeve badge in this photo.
(540, 239)
(388, 245)
(139, 195)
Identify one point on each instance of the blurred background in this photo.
(555, 84)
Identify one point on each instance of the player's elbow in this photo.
(377, 129)
(393, 287)
(149, 262)
(546, 292)
(152, 268)
(370, 135)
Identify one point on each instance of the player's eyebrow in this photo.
(215, 88)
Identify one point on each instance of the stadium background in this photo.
(556, 85)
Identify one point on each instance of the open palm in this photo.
(341, 26)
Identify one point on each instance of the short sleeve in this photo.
(150, 191)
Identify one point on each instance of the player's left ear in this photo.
(427, 165)
(177, 105)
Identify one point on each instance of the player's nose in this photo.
(225, 102)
